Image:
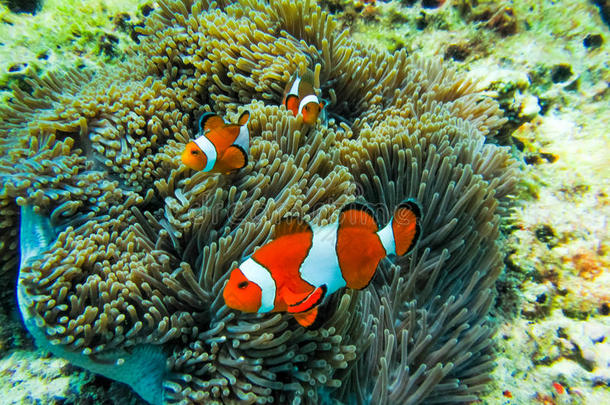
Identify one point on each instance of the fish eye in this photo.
(242, 285)
(310, 108)
(194, 152)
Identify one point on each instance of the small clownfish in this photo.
(558, 387)
(300, 266)
(221, 147)
(300, 97)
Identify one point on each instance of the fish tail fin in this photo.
(400, 235)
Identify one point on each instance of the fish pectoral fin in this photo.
(307, 318)
(309, 302)
(235, 157)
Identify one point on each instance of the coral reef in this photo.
(29, 377)
(42, 378)
(63, 34)
(558, 253)
(124, 251)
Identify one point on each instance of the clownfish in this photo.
(221, 147)
(302, 265)
(300, 97)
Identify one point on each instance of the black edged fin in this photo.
(290, 225)
(243, 118)
(310, 301)
(320, 316)
(242, 150)
(230, 154)
(404, 211)
(413, 205)
(415, 238)
(416, 208)
(210, 121)
(358, 214)
(289, 97)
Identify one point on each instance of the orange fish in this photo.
(220, 147)
(302, 265)
(558, 387)
(300, 97)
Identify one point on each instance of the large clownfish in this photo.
(221, 147)
(300, 97)
(302, 265)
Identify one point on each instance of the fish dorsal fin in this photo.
(293, 84)
(209, 121)
(306, 87)
(243, 118)
(292, 103)
(358, 214)
(290, 225)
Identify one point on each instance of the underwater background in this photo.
(110, 249)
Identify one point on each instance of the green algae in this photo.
(64, 33)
